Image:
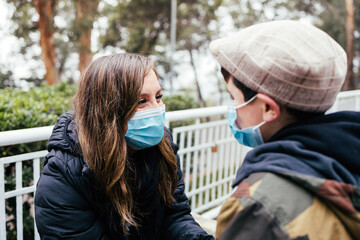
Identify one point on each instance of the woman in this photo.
(112, 172)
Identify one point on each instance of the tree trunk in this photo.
(349, 27)
(45, 9)
(86, 12)
(196, 78)
(85, 54)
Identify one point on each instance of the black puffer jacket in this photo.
(68, 205)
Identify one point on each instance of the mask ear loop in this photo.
(258, 126)
(245, 103)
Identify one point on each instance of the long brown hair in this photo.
(107, 98)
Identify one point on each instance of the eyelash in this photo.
(143, 101)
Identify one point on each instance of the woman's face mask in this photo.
(250, 136)
(146, 128)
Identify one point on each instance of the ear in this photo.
(271, 110)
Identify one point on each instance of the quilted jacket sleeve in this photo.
(179, 224)
(61, 210)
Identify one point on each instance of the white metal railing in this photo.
(209, 157)
(208, 153)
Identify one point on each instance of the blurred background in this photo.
(52, 41)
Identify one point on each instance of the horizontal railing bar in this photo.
(23, 157)
(212, 213)
(25, 135)
(349, 94)
(19, 192)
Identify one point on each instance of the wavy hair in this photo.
(106, 99)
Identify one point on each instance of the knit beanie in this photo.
(296, 64)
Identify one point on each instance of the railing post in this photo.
(2, 203)
(36, 172)
(19, 202)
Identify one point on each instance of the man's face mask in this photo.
(146, 128)
(250, 136)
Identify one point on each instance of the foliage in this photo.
(180, 102)
(137, 25)
(39, 106)
(197, 26)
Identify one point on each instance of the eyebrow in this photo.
(145, 94)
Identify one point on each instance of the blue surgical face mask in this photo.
(250, 136)
(146, 128)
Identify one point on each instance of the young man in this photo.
(301, 180)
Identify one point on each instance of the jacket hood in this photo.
(326, 147)
(64, 135)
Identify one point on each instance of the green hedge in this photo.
(40, 106)
(179, 102)
(37, 107)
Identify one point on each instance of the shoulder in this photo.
(274, 204)
(64, 163)
(274, 191)
(64, 136)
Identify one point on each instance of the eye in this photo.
(142, 101)
(159, 96)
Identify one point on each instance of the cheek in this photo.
(247, 118)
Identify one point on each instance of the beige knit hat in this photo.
(296, 64)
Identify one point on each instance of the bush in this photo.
(40, 106)
(179, 102)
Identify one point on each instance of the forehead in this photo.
(151, 82)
